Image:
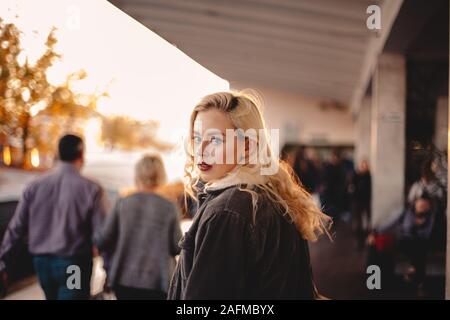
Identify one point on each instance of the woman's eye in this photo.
(216, 140)
(197, 139)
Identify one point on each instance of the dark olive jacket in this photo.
(227, 255)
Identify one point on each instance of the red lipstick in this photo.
(204, 166)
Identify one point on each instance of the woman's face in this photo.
(211, 147)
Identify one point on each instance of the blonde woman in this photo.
(141, 236)
(248, 239)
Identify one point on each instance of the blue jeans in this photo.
(54, 272)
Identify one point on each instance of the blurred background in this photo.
(357, 88)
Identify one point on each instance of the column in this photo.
(362, 132)
(388, 139)
(441, 124)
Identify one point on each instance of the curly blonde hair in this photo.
(281, 187)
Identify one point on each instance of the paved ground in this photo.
(32, 291)
(339, 269)
(338, 266)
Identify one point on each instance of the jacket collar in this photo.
(238, 176)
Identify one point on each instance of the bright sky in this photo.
(146, 77)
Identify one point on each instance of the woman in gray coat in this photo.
(139, 239)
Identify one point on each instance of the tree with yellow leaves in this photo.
(34, 113)
(29, 103)
(121, 132)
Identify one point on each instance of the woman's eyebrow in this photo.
(209, 133)
(219, 132)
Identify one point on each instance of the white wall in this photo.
(301, 119)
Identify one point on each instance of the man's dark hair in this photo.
(70, 147)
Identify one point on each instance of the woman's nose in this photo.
(202, 150)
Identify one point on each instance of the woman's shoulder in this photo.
(229, 199)
(240, 202)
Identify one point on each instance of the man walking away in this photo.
(58, 213)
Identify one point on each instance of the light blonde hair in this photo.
(150, 171)
(282, 187)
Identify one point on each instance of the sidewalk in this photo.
(340, 272)
(34, 292)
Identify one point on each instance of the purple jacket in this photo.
(58, 213)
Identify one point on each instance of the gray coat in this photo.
(139, 240)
